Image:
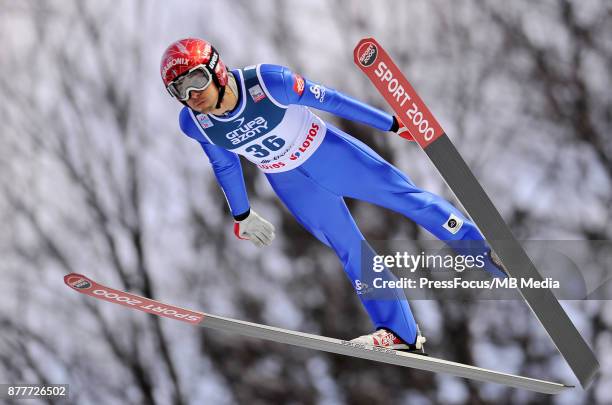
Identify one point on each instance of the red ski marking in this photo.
(391, 83)
(86, 286)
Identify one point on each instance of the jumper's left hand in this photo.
(401, 129)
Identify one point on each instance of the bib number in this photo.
(271, 143)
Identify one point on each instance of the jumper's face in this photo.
(203, 101)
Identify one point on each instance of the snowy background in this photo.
(96, 178)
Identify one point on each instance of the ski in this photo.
(85, 285)
(375, 62)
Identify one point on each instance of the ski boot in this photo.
(387, 339)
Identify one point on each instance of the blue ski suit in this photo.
(312, 166)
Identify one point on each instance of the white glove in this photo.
(256, 229)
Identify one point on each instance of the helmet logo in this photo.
(213, 60)
(173, 62)
(206, 52)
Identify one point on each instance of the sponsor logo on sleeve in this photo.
(257, 93)
(204, 121)
(367, 53)
(318, 92)
(453, 224)
(298, 84)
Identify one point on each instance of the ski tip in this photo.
(77, 281)
(366, 51)
(366, 39)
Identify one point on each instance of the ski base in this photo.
(86, 286)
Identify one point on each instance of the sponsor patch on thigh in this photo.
(453, 224)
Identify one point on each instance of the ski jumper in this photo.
(312, 166)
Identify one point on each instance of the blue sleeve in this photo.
(225, 164)
(290, 88)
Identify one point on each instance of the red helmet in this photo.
(185, 54)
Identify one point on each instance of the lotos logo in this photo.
(367, 54)
(79, 282)
(271, 166)
(298, 84)
(312, 132)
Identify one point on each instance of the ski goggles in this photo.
(198, 78)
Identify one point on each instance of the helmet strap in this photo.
(231, 83)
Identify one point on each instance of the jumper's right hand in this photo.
(256, 229)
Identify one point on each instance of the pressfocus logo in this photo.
(367, 54)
